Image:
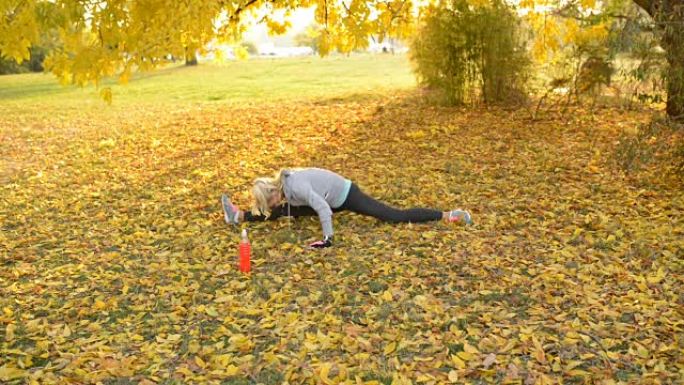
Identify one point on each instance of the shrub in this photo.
(471, 53)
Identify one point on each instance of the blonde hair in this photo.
(263, 190)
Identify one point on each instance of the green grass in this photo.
(254, 80)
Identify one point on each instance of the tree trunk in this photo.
(669, 19)
(673, 44)
(190, 57)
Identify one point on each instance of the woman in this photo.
(315, 191)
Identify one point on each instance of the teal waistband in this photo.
(345, 193)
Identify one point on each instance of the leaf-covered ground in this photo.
(116, 266)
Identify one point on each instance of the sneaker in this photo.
(460, 216)
(230, 211)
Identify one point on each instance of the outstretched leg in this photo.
(233, 215)
(358, 202)
(281, 211)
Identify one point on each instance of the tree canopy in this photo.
(98, 39)
(115, 37)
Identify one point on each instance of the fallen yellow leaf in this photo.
(8, 373)
(390, 347)
(9, 332)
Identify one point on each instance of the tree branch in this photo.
(236, 16)
(646, 5)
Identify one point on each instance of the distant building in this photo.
(270, 49)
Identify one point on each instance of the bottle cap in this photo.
(244, 233)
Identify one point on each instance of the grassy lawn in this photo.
(255, 80)
(116, 266)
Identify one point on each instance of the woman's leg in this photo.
(281, 211)
(358, 202)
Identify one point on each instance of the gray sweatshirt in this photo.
(320, 189)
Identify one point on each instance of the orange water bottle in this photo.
(245, 251)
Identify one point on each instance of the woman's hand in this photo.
(326, 242)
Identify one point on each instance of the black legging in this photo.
(357, 202)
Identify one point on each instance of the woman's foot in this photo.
(231, 213)
(459, 216)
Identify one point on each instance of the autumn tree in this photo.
(46, 41)
(115, 37)
(309, 38)
(668, 16)
(667, 24)
(106, 38)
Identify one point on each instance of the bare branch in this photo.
(236, 16)
(646, 5)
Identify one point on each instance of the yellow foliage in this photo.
(106, 94)
(596, 34)
(8, 373)
(103, 41)
(241, 53)
(572, 29)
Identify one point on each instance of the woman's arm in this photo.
(301, 193)
(324, 211)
